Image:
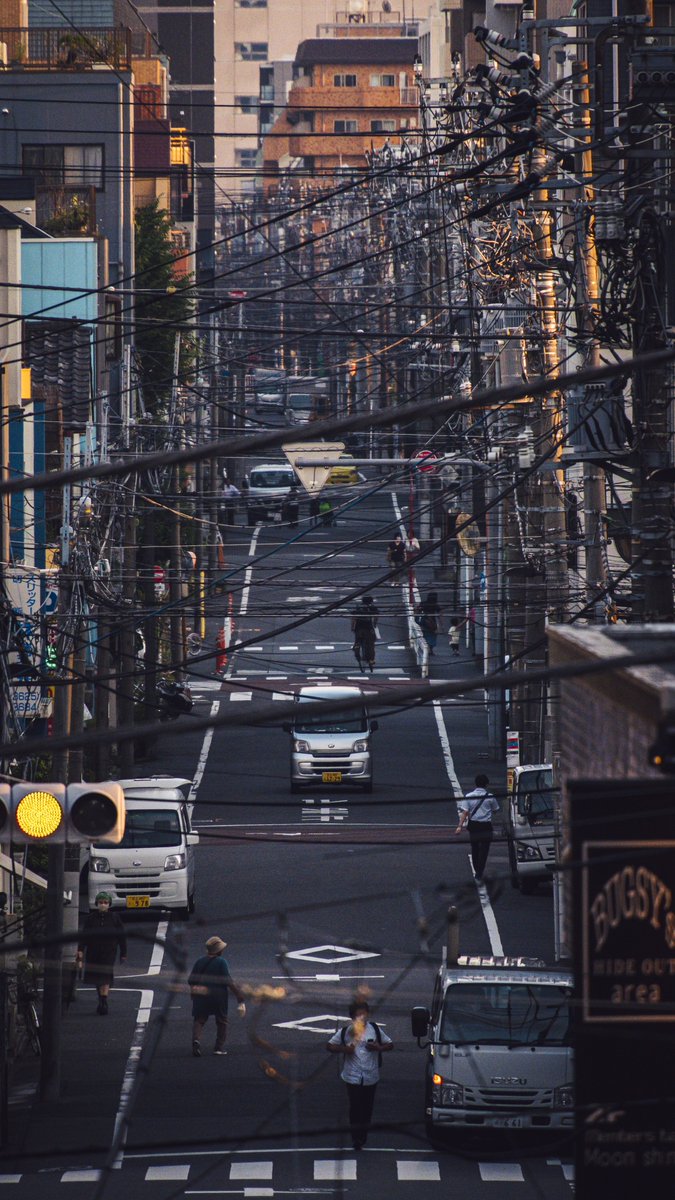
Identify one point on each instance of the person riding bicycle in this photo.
(364, 623)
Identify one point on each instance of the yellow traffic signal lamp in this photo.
(50, 813)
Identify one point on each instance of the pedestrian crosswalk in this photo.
(268, 1173)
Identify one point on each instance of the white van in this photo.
(268, 486)
(331, 747)
(529, 824)
(154, 864)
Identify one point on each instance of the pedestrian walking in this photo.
(229, 504)
(364, 627)
(210, 983)
(291, 506)
(475, 812)
(362, 1043)
(428, 614)
(101, 934)
(314, 510)
(454, 634)
(326, 512)
(396, 557)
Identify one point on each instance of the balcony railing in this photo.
(66, 211)
(63, 50)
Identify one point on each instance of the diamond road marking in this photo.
(501, 1172)
(172, 1171)
(331, 954)
(326, 1023)
(241, 695)
(336, 1168)
(422, 1172)
(251, 1170)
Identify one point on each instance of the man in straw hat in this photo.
(210, 981)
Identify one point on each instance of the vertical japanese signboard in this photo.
(623, 876)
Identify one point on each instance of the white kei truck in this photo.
(498, 1042)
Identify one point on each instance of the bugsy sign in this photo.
(622, 874)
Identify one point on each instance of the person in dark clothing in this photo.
(476, 811)
(291, 506)
(314, 510)
(396, 558)
(364, 622)
(101, 934)
(210, 981)
(428, 613)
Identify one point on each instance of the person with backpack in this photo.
(428, 613)
(476, 811)
(362, 1043)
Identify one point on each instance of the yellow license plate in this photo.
(331, 777)
(138, 901)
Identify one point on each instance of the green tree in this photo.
(161, 316)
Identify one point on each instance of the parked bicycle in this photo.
(28, 1030)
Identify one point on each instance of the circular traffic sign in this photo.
(427, 459)
(159, 574)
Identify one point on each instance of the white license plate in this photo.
(138, 901)
(505, 1122)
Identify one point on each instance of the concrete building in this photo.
(349, 96)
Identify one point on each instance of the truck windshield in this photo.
(535, 796)
(300, 401)
(515, 1014)
(148, 827)
(272, 479)
(331, 722)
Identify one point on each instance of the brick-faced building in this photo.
(349, 95)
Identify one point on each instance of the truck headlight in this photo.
(301, 747)
(360, 747)
(527, 853)
(447, 1093)
(174, 862)
(99, 864)
(563, 1097)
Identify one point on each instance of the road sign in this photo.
(428, 458)
(319, 459)
(159, 574)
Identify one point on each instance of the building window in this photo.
(247, 104)
(250, 51)
(346, 126)
(64, 166)
(250, 3)
(344, 81)
(383, 81)
(246, 160)
(382, 125)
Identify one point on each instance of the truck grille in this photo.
(495, 1098)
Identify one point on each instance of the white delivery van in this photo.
(268, 486)
(154, 864)
(331, 747)
(529, 824)
(499, 1053)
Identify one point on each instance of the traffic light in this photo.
(52, 813)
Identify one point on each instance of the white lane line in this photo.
(241, 695)
(130, 1072)
(10, 1179)
(488, 912)
(447, 752)
(418, 1172)
(501, 1172)
(289, 647)
(248, 574)
(331, 647)
(335, 1168)
(81, 1176)
(204, 754)
(158, 949)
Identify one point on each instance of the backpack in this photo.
(378, 1037)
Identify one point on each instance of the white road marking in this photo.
(81, 1176)
(317, 647)
(248, 574)
(501, 1172)
(10, 1179)
(158, 949)
(251, 1170)
(289, 647)
(281, 695)
(204, 754)
(343, 1169)
(170, 1171)
(418, 1172)
(342, 954)
(241, 695)
(131, 1071)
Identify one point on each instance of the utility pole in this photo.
(128, 636)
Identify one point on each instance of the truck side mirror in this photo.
(287, 727)
(193, 839)
(374, 726)
(419, 1021)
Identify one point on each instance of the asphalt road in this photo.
(316, 894)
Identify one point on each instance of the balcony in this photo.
(66, 211)
(64, 50)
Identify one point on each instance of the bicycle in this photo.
(28, 1032)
